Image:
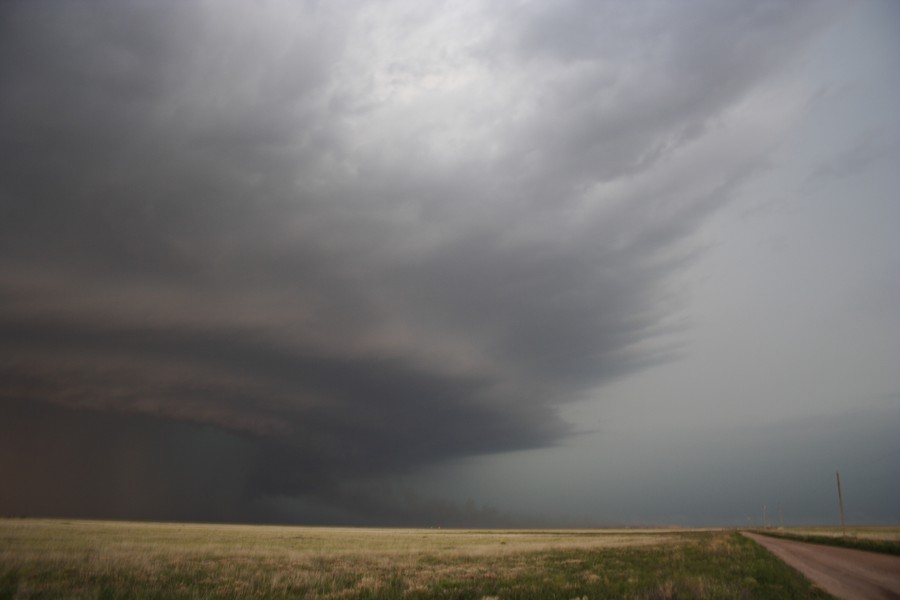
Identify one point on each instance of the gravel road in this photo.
(842, 572)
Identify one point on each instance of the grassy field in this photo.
(885, 540)
(94, 559)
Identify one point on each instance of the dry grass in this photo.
(97, 559)
(128, 541)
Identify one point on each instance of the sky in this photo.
(468, 263)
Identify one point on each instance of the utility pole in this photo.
(840, 502)
(765, 521)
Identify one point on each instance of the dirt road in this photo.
(842, 572)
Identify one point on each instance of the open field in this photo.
(885, 540)
(94, 559)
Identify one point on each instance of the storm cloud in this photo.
(338, 242)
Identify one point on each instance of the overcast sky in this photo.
(450, 263)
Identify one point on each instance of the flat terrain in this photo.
(96, 559)
(876, 533)
(846, 573)
(885, 540)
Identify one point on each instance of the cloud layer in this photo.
(363, 237)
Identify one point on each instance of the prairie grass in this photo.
(101, 560)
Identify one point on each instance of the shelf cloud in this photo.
(347, 241)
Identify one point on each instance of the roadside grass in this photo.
(870, 539)
(106, 560)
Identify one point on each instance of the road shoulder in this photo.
(842, 572)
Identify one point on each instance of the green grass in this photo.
(881, 540)
(105, 560)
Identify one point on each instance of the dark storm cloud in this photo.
(361, 250)
(106, 465)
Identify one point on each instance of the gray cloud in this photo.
(362, 238)
(872, 148)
